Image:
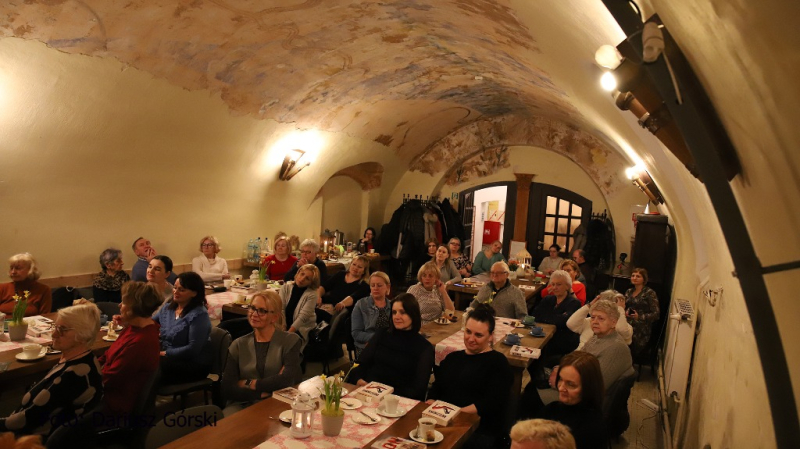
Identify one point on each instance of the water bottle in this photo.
(250, 250)
(257, 250)
(265, 249)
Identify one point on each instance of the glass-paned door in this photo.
(554, 214)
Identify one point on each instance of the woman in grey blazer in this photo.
(264, 360)
(299, 301)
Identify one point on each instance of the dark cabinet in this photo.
(651, 249)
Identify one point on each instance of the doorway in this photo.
(492, 203)
(554, 213)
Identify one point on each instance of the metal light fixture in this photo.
(292, 164)
(641, 179)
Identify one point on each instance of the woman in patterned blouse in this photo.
(461, 261)
(642, 310)
(431, 293)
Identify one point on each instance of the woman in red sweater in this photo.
(282, 261)
(134, 356)
(578, 289)
(24, 274)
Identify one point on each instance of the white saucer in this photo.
(22, 358)
(105, 337)
(399, 411)
(361, 419)
(443, 323)
(438, 437)
(349, 404)
(286, 416)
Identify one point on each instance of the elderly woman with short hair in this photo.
(581, 323)
(299, 301)
(108, 282)
(134, 356)
(24, 274)
(607, 345)
(308, 255)
(431, 293)
(73, 386)
(577, 287)
(208, 265)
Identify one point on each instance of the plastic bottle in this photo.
(265, 249)
(250, 251)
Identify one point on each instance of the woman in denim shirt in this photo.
(185, 332)
(373, 312)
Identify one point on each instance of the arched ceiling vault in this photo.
(404, 73)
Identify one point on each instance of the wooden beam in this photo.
(523, 195)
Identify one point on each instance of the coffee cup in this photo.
(227, 283)
(238, 278)
(390, 403)
(103, 319)
(32, 350)
(372, 251)
(513, 339)
(426, 429)
(528, 320)
(449, 313)
(537, 331)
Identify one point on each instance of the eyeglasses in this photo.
(259, 312)
(59, 328)
(208, 245)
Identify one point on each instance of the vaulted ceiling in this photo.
(403, 73)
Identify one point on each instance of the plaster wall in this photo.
(341, 207)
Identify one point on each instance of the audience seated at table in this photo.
(145, 253)
(133, 358)
(345, 288)
(185, 331)
(373, 312)
(398, 356)
(642, 310)
(72, 386)
(578, 289)
(281, 261)
(552, 262)
(208, 265)
(431, 293)
(580, 400)
(299, 301)
(462, 262)
(477, 379)
(506, 299)
(555, 308)
(108, 282)
(159, 270)
(308, 255)
(369, 239)
(449, 272)
(486, 258)
(264, 360)
(541, 434)
(581, 323)
(24, 274)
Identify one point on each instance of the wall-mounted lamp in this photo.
(292, 164)
(641, 179)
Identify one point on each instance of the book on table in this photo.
(397, 443)
(442, 412)
(373, 392)
(288, 394)
(525, 351)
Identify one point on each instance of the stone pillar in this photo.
(523, 196)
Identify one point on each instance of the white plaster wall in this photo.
(341, 209)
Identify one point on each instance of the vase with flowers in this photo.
(264, 266)
(332, 414)
(17, 327)
(513, 265)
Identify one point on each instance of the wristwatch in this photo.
(248, 382)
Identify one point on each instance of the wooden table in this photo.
(23, 374)
(435, 333)
(463, 295)
(252, 426)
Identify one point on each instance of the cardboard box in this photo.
(442, 412)
(373, 392)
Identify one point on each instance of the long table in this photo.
(254, 426)
(22, 374)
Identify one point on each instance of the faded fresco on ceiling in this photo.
(480, 149)
(404, 73)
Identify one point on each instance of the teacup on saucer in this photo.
(529, 320)
(537, 331)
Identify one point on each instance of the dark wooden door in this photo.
(553, 215)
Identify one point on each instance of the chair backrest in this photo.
(108, 308)
(146, 402)
(182, 423)
(339, 330)
(237, 327)
(220, 342)
(615, 405)
(63, 297)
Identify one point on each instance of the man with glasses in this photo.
(506, 298)
(145, 252)
(308, 254)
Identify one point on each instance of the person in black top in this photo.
(107, 284)
(345, 288)
(398, 356)
(308, 255)
(556, 308)
(477, 379)
(580, 400)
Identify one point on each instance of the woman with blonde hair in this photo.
(345, 288)
(577, 288)
(431, 293)
(24, 274)
(373, 312)
(281, 261)
(488, 257)
(208, 265)
(264, 360)
(299, 301)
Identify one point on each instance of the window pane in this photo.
(550, 224)
(576, 210)
(548, 240)
(574, 223)
(562, 242)
(563, 207)
(551, 205)
(562, 225)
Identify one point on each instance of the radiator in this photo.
(678, 359)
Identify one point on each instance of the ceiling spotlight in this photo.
(608, 56)
(608, 81)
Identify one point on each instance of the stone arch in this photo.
(368, 175)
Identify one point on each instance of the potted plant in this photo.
(17, 327)
(513, 265)
(263, 270)
(332, 415)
